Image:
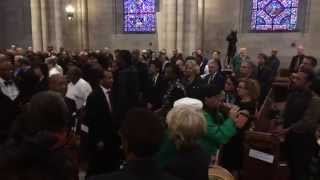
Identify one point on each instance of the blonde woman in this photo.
(186, 125)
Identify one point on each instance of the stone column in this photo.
(84, 23)
(161, 25)
(57, 23)
(44, 24)
(36, 25)
(191, 26)
(180, 25)
(200, 26)
(171, 25)
(79, 22)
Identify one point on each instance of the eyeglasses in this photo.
(241, 87)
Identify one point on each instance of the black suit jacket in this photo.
(190, 164)
(138, 170)
(295, 62)
(8, 113)
(126, 92)
(101, 129)
(194, 89)
(42, 85)
(142, 70)
(156, 90)
(217, 81)
(26, 82)
(203, 65)
(100, 122)
(71, 104)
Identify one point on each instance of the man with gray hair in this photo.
(53, 67)
(247, 70)
(236, 61)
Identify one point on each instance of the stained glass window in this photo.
(274, 15)
(139, 16)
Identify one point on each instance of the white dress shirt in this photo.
(9, 90)
(54, 71)
(79, 92)
(155, 78)
(107, 94)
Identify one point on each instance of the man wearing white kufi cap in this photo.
(218, 132)
(189, 102)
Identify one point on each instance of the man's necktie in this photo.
(109, 100)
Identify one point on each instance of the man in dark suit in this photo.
(156, 87)
(215, 77)
(26, 81)
(273, 63)
(126, 86)
(142, 134)
(297, 60)
(104, 143)
(142, 70)
(8, 95)
(201, 60)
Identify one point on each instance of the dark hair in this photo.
(25, 61)
(312, 59)
(309, 73)
(43, 68)
(210, 91)
(263, 56)
(190, 58)
(75, 70)
(33, 158)
(46, 111)
(217, 61)
(143, 132)
(157, 64)
(95, 74)
(124, 56)
(175, 69)
(234, 80)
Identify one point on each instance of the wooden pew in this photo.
(262, 158)
(277, 95)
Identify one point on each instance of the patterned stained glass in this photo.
(274, 15)
(139, 16)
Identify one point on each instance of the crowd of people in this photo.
(147, 115)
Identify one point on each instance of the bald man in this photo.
(236, 61)
(297, 60)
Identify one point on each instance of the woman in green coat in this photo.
(219, 128)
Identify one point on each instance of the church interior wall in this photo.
(223, 15)
(1, 29)
(105, 28)
(15, 23)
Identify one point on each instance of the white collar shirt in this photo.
(9, 90)
(107, 94)
(79, 92)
